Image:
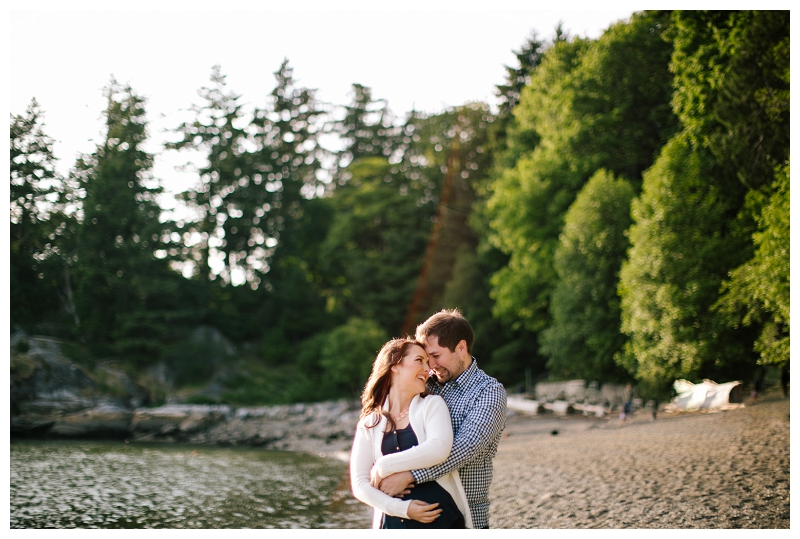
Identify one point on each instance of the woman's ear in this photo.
(394, 369)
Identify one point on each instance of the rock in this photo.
(103, 421)
(32, 424)
(178, 417)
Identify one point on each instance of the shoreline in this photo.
(684, 470)
(721, 470)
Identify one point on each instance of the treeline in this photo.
(624, 215)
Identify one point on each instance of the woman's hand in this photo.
(423, 512)
(375, 478)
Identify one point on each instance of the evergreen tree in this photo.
(367, 128)
(259, 174)
(374, 247)
(120, 284)
(517, 78)
(40, 227)
(446, 161)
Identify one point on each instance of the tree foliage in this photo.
(731, 95)
(373, 249)
(307, 259)
(347, 354)
(261, 166)
(367, 128)
(584, 336)
(732, 88)
(120, 293)
(594, 104)
(681, 250)
(40, 224)
(760, 287)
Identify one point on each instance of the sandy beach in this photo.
(721, 470)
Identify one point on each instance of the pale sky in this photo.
(427, 55)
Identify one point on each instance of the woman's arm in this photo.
(360, 466)
(435, 448)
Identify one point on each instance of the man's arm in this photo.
(484, 421)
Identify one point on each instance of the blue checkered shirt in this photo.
(477, 405)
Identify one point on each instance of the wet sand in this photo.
(721, 470)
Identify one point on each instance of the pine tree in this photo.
(40, 229)
(367, 128)
(261, 167)
(119, 281)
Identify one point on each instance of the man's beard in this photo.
(447, 375)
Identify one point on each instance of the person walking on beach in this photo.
(627, 404)
(402, 428)
(477, 404)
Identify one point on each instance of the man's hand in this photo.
(397, 484)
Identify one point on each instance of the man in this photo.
(477, 404)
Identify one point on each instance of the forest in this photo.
(623, 215)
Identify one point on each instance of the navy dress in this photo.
(431, 492)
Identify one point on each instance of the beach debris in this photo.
(707, 395)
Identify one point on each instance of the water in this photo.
(69, 484)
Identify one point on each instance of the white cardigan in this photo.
(430, 419)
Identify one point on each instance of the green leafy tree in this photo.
(682, 247)
(732, 88)
(595, 104)
(731, 95)
(374, 247)
(585, 336)
(758, 290)
(348, 352)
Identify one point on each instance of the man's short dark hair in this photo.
(449, 327)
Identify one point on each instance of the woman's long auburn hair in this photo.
(380, 380)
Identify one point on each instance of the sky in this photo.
(423, 55)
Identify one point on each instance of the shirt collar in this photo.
(467, 374)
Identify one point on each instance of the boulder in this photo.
(178, 417)
(102, 421)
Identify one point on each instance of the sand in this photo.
(719, 470)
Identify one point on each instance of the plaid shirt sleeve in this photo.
(483, 423)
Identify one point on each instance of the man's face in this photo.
(446, 365)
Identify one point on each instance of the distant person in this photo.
(401, 429)
(785, 380)
(758, 385)
(477, 404)
(627, 404)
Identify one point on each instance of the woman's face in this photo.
(411, 373)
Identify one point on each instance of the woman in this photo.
(402, 429)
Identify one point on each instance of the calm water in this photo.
(117, 485)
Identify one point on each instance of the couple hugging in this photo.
(430, 425)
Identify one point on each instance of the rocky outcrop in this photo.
(319, 427)
(176, 419)
(53, 397)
